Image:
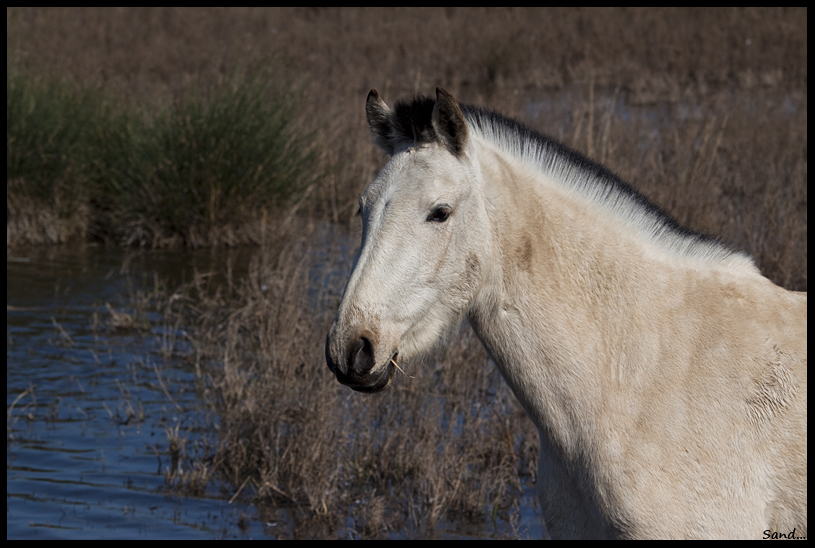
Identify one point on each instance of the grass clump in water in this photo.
(208, 169)
(446, 444)
(49, 130)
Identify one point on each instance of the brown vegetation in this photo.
(704, 111)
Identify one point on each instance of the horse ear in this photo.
(380, 121)
(449, 122)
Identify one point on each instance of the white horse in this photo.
(666, 376)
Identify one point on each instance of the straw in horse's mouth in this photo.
(393, 361)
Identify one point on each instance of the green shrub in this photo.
(48, 125)
(206, 164)
(205, 170)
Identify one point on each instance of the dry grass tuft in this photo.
(436, 447)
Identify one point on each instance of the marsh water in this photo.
(89, 408)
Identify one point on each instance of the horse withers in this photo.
(666, 376)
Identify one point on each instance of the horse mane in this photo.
(587, 178)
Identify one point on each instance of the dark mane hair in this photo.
(592, 180)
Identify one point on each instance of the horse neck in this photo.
(564, 292)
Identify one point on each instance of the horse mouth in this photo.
(384, 380)
(371, 382)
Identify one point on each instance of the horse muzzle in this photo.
(357, 368)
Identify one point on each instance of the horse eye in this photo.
(440, 214)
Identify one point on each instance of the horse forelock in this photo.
(413, 121)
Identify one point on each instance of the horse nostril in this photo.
(362, 356)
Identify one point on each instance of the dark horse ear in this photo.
(449, 123)
(380, 121)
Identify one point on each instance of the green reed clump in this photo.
(205, 169)
(49, 128)
(208, 169)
